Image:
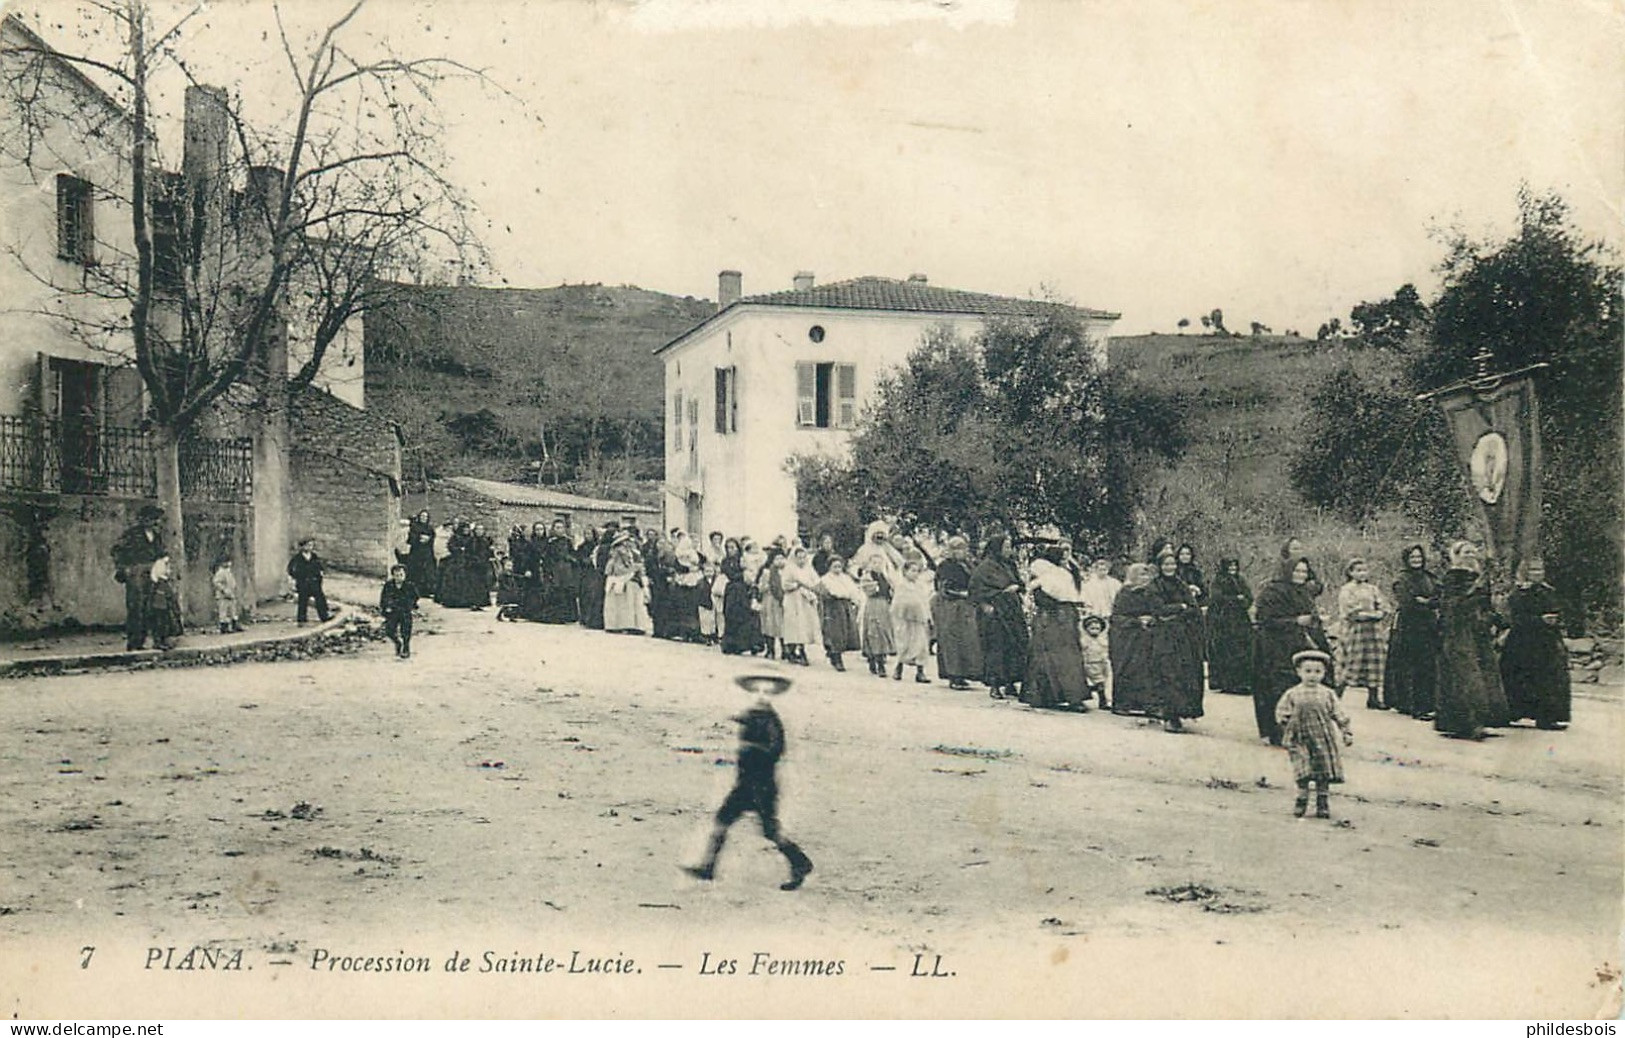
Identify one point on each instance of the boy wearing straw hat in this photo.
(756, 788)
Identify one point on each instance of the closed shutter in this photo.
(806, 394)
(693, 421)
(66, 226)
(677, 419)
(124, 397)
(722, 403)
(846, 395)
(733, 399)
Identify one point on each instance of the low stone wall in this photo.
(56, 558)
(344, 483)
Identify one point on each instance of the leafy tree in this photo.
(1184, 322)
(1390, 322)
(1216, 319)
(1330, 330)
(1021, 424)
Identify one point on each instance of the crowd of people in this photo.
(1034, 623)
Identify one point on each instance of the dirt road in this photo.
(530, 792)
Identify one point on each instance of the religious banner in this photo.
(1495, 426)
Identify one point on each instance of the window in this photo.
(75, 222)
(677, 420)
(826, 396)
(727, 397)
(693, 421)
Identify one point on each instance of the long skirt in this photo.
(1470, 693)
(772, 616)
(878, 637)
(1176, 655)
(591, 599)
(1134, 682)
(465, 582)
(1535, 673)
(740, 632)
(1362, 655)
(800, 625)
(959, 644)
(1229, 649)
(839, 623)
(1055, 660)
(1411, 677)
(1004, 642)
(624, 608)
(913, 639)
(683, 611)
(1273, 672)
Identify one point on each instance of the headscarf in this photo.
(1460, 551)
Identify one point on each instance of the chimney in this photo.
(207, 150)
(803, 281)
(729, 288)
(916, 279)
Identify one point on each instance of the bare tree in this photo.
(270, 238)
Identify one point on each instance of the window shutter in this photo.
(677, 419)
(846, 395)
(722, 399)
(123, 397)
(733, 399)
(87, 222)
(65, 229)
(806, 394)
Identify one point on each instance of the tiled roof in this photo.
(876, 293)
(896, 296)
(540, 497)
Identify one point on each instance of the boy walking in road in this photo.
(761, 744)
(306, 570)
(396, 601)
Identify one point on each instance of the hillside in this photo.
(473, 375)
(1229, 494)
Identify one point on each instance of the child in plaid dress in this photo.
(1310, 716)
(1362, 650)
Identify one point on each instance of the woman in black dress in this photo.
(1230, 631)
(1534, 660)
(589, 582)
(1470, 694)
(1134, 613)
(959, 643)
(1410, 678)
(995, 590)
(1176, 643)
(1287, 624)
(419, 558)
(740, 633)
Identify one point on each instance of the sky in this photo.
(1279, 159)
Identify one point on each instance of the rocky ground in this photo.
(531, 791)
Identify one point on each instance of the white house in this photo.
(771, 376)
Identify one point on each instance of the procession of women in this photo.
(1031, 622)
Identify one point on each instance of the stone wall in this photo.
(56, 559)
(344, 483)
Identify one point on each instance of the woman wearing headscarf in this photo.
(558, 575)
(1287, 624)
(1055, 678)
(419, 557)
(1191, 574)
(1534, 661)
(739, 634)
(995, 591)
(463, 582)
(1176, 644)
(1470, 694)
(1411, 676)
(800, 589)
(683, 603)
(959, 645)
(530, 569)
(839, 599)
(877, 552)
(770, 594)
(1294, 549)
(624, 588)
(1134, 613)
(1230, 631)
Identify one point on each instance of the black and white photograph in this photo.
(885, 509)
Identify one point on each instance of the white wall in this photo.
(746, 487)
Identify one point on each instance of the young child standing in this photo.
(756, 788)
(164, 606)
(911, 619)
(225, 595)
(1362, 650)
(1096, 658)
(1310, 715)
(879, 641)
(306, 570)
(396, 601)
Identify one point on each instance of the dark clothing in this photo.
(756, 788)
(1000, 623)
(164, 613)
(1054, 656)
(307, 585)
(465, 574)
(741, 631)
(1134, 680)
(133, 555)
(557, 574)
(1176, 648)
(959, 641)
(590, 585)
(820, 561)
(1534, 660)
(419, 557)
(396, 602)
(1470, 693)
(1229, 635)
(1279, 636)
(1411, 675)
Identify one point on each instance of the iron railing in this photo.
(54, 457)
